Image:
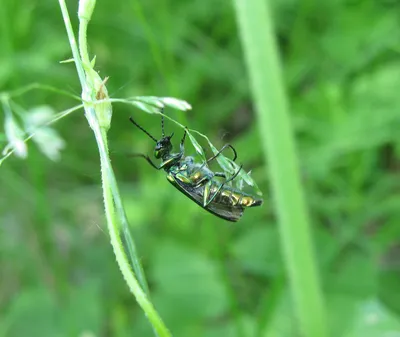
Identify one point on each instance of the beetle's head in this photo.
(163, 147)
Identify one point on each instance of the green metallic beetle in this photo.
(208, 189)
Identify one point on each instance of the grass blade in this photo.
(254, 20)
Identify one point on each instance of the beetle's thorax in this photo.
(170, 160)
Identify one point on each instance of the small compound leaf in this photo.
(37, 117)
(15, 136)
(46, 138)
(230, 167)
(246, 178)
(49, 143)
(223, 161)
(239, 184)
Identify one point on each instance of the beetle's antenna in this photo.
(134, 123)
(162, 122)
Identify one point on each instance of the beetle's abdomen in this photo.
(233, 197)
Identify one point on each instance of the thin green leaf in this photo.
(197, 146)
(230, 167)
(146, 107)
(176, 103)
(49, 143)
(153, 100)
(68, 61)
(162, 102)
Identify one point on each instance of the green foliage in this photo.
(58, 276)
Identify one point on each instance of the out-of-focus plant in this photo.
(276, 133)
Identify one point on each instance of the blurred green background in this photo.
(58, 275)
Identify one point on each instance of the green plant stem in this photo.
(83, 24)
(72, 42)
(110, 188)
(255, 25)
(111, 184)
(82, 40)
(116, 242)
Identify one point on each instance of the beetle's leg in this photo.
(233, 177)
(184, 136)
(208, 197)
(209, 194)
(195, 179)
(183, 178)
(216, 155)
(206, 193)
(183, 141)
(147, 158)
(220, 151)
